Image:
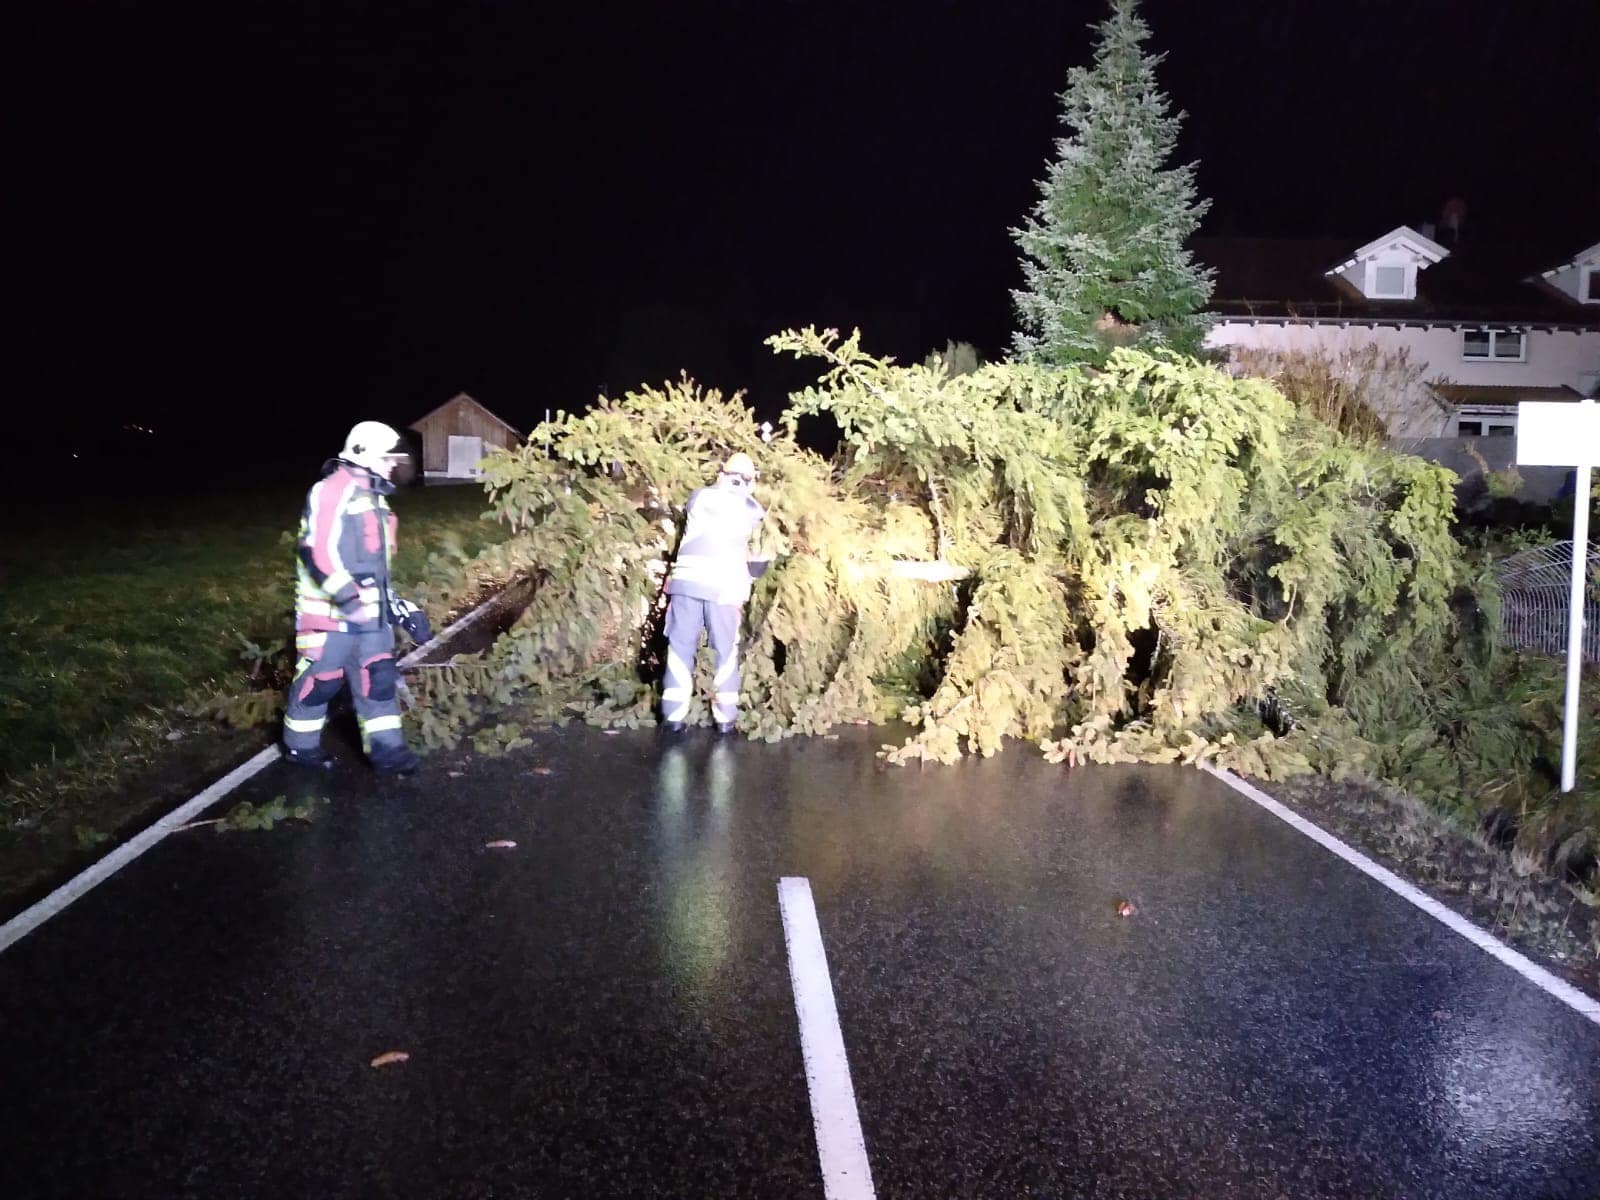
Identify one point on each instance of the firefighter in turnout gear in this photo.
(707, 588)
(345, 612)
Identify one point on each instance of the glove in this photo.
(357, 611)
(363, 608)
(416, 624)
(412, 619)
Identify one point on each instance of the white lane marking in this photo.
(1484, 940)
(846, 1174)
(35, 915)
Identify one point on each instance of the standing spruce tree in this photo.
(1104, 260)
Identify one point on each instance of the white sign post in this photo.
(1553, 434)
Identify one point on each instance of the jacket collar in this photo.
(376, 483)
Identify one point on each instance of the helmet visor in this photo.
(402, 465)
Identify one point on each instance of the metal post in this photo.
(1580, 574)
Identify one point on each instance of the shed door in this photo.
(465, 454)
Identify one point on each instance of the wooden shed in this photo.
(456, 436)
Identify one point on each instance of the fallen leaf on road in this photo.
(455, 774)
(538, 770)
(1125, 909)
(502, 844)
(391, 1056)
(612, 732)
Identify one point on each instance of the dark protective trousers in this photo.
(364, 662)
(686, 617)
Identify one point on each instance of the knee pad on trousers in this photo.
(322, 689)
(383, 678)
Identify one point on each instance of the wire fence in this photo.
(1535, 590)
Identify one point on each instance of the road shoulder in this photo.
(1510, 895)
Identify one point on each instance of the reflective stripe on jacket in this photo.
(347, 536)
(712, 558)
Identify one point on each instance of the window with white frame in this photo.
(1387, 278)
(1494, 345)
(1389, 281)
(1485, 421)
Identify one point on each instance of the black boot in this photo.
(400, 763)
(314, 760)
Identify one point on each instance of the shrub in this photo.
(1365, 391)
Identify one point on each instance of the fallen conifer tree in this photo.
(1147, 562)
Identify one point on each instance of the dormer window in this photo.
(1578, 278)
(1386, 269)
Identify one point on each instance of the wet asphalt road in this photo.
(605, 1010)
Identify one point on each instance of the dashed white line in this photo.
(1531, 971)
(846, 1173)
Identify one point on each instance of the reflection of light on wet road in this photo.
(719, 785)
(695, 793)
(1507, 1088)
(672, 793)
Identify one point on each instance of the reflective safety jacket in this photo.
(347, 536)
(712, 558)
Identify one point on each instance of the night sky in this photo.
(263, 221)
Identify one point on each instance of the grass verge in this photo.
(120, 618)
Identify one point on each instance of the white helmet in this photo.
(375, 446)
(739, 465)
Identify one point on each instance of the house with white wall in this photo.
(1489, 325)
